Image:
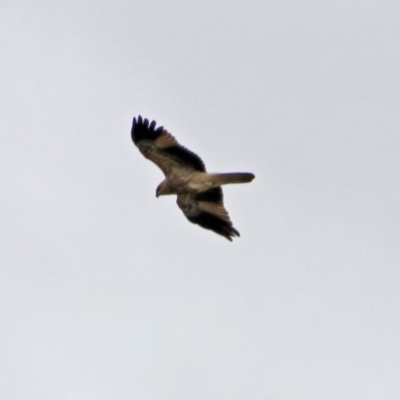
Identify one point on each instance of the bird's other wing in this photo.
(207, 210)
(162, 148)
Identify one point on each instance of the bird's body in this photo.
(199, 194)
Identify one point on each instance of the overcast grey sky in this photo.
(109, 293)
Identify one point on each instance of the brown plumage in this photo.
(199, 194)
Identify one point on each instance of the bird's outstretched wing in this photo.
(207, 210)
(162, 148)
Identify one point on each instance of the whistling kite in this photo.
(199, 193)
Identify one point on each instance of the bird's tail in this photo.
(231, 177)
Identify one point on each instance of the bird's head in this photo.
(162, 189)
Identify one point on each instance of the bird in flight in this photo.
(199, 194)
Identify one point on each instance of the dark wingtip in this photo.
(229, 234)
(215, 224)
(143, 130)
(233, 233)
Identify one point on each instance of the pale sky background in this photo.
(109, 293)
